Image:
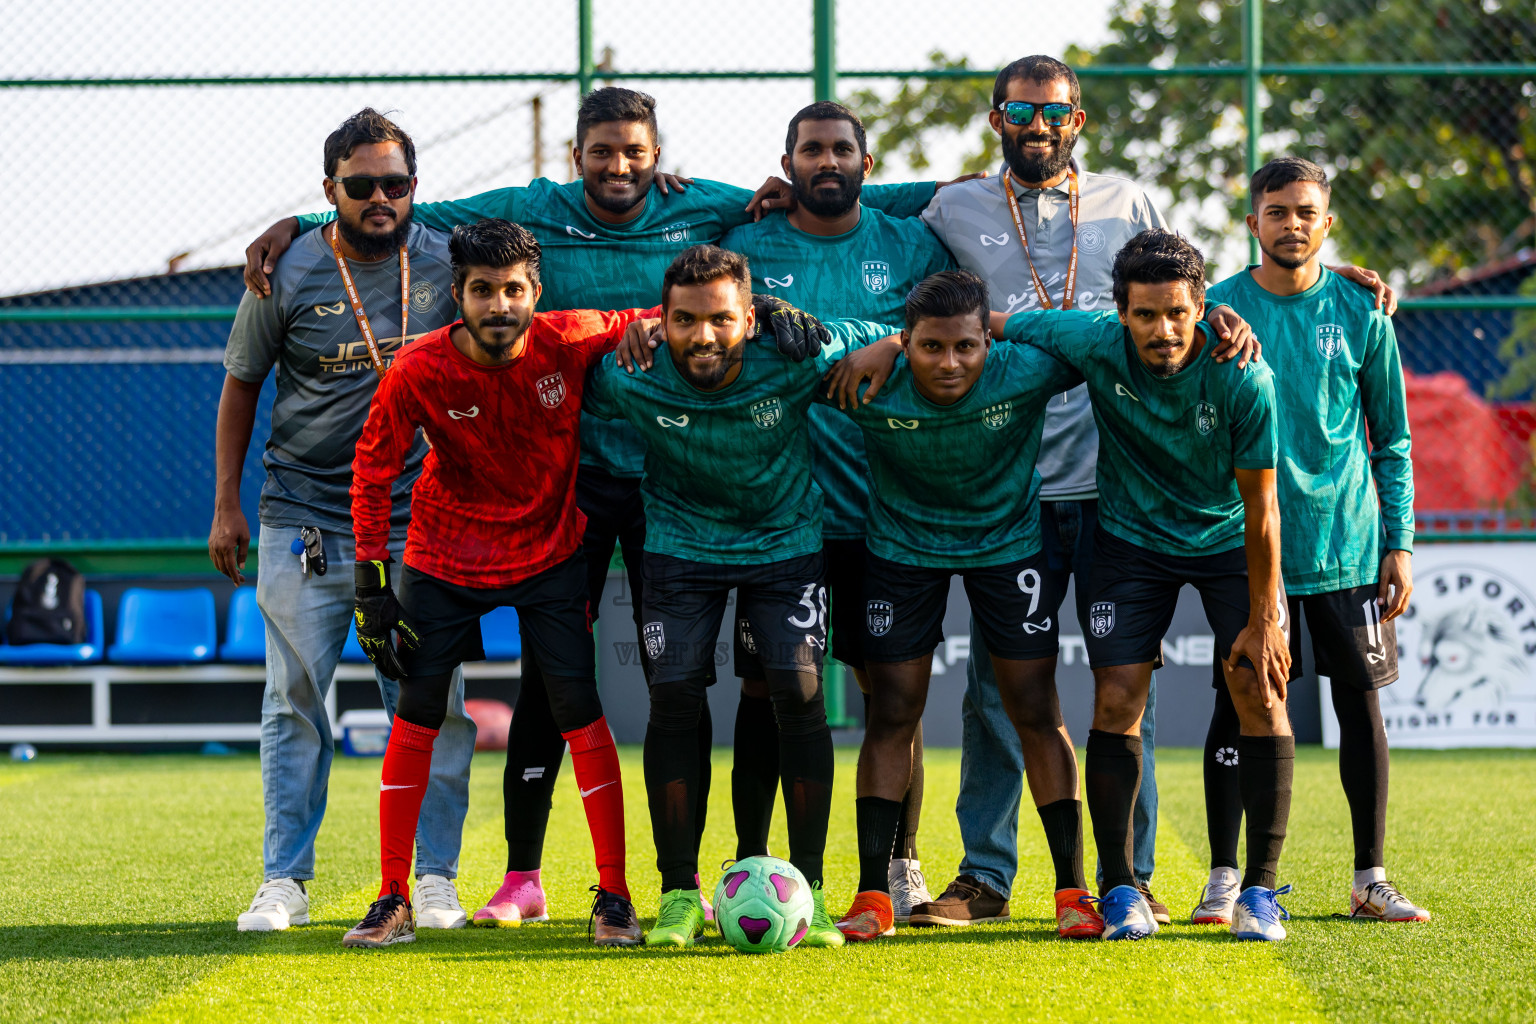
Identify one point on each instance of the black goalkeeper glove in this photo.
(798, 335)
(377, 613)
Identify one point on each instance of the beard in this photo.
(1292, 262)
(1030, 165)
(713, 378)
(496, 350)
(371, 245)
(819, 203)
(615, 204)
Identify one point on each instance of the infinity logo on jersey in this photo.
(877, 275)
(576, 232)
(987, 240)
(423, 296)
(1205, 418)
(335, 310)
(880, 616)
(996, 417)
(785, 282)
(895, 424)
(1121, 389)
(1031, 628)
(1101, 618)
(1330, 340)
(454, 414)
(681, 421)
(655, 639)
(767, 413)
(551, 390)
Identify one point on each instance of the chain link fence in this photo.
(149, 143)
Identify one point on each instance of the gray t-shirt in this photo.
(972, 219)
(325, 378)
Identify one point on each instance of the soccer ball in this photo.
(763, 905)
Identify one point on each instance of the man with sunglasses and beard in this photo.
(342, 305)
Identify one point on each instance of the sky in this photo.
(108, 183)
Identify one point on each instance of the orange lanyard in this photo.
(1018, 222)
(357, 301)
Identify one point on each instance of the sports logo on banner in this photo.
(996, 417)
(551, 390)
(880, 617)
(1205, 418)
(767, 413)
(877, 275)
(676, 232)
(655, 639)
(1330, 340)
(1101, 618)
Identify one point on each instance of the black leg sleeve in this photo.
(672, 780)
(805, 765)
(1111, 779)
(754, 774)
(1223, 795)
(1363, 768)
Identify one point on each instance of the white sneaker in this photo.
(1381, 901)
(436, 903)
(1258, 913)
(1217, 898)
(908, 887)
(276, 905)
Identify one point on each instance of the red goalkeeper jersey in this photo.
(496, 500)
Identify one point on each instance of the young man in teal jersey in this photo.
(1186, 479)
(1346, 544)
(729, 503)
(834, 258)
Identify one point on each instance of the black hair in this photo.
(826, 110)
(1283, 171)
(615, 104)
(1158, 256)
(701, 264)
(364, 127)
(1039, 69)
(493, 243)
(948, 293)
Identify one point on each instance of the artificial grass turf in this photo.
(124, 875)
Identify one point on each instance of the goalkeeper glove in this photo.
(798, 335)
(377, 614)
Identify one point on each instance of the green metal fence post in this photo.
(824, 59)
(1253, 58)
(584, 46)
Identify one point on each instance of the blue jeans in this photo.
(307, 622)
(991, 759)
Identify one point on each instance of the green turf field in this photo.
(123, 876)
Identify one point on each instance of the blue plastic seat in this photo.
(165, 627)
(63, 654)
(498, 630)
(352, 651)
(245, 631)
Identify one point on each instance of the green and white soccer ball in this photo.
(763, 905)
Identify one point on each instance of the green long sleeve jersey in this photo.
(1343, 426)
(592, 264)
(727, 472)
(1168, 446)
(863, 274)
(955, 486)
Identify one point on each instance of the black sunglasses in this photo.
(361, 186)
(1017, 112)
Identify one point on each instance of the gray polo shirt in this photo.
(972, 219)
(325, 378)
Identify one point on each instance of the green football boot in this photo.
(823, 933)
(679, 919)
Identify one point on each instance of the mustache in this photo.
(833, 176)
(705, 350)
(631, 178)
(388, 211)
(499, 321)
(1288, 239)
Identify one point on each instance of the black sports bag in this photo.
(49, 605)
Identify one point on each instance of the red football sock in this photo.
(596, 764)
(407, 765)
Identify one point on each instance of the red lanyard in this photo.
(1018, 222)
(357, 302)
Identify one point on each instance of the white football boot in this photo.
(1217, 898)
(1258, 913)
(1380, 901)
(908, 887)
(437, 903)
(277, 904)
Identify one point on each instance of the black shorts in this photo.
(1350, 643)
(551, 614)
(845, 610)
(1133, 591)
(1014, 606)
(781, 615)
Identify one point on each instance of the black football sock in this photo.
(535, 749)
(754, 774)
(877, 835)
(805, 770)
(672, 782)
(1063, 822)
(1223, 796)
(912, 803)
(1363, 768)
(1265, 766)
(706, 776)
(1111, 778)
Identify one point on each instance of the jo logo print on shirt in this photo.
(1330, 340)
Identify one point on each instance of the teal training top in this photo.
(1168, 446)
(955, 486)
(727, 472)
(591, 264)
(1343, 425)
(863, 274)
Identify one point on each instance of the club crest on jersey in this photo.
(1330, 340)
(1101, 618)
(551, 390)
(880, 617)
(877, 275)
(996, 417)
(423, 296)
(1205, 418)
(767, 413)
(655, 639)
(676, 232)
(744, 630)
